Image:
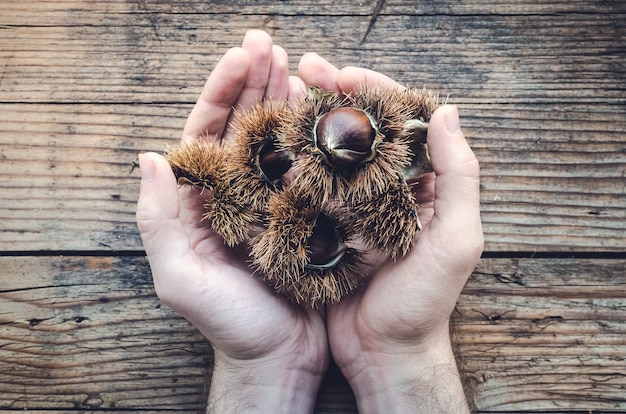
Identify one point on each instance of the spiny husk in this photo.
(296, 135)
(387, 107)
(420, 103)
(370, 200)
(393, 154)
(397, 111)
(280, 253)
(389, 110)
(240, 198)
(314, 288)
(388, 220)
(199, 162)
(231, 214)
(296, 132)
(253, 129)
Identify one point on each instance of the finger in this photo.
(456, 221)
(210, 115)
(317, 71)
(351, 78)
(297, 89)
(456, 168)
(158, 210)
(258, 44)
(278, 80)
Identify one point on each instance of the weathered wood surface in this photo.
(85, 86)
(88, 333)
(551, 181)
(147, 51)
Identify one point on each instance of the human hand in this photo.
(271, 353)
(391, 338)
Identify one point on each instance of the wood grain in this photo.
(88, 333)
(555, 183)
(86, 86)
(558, 326)
(149, 52)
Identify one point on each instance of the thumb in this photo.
(456, 168)
(456, 221)
(158, 210)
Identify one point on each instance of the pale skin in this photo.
(390, 339)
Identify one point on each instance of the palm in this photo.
(379, 312)
(260, 321)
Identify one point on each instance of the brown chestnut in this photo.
(272, 163)
(420, 162)
(325, 244)
(345, 137)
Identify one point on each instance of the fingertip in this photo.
(317, 71)
(256, 35)
(278, 79)
(219, 94)
(153, 166)
(259, 46)
(232, 66)
(438, 128)
(158, 188)
(280, 54)
(457, 190)
(311, 57)
(449, 151)
(147, 168)
(163, 236)
(451, 119)
(456, 167)
(351, 78)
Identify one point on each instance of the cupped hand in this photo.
(390, 337)
(254, 333)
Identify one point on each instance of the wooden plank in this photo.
(556, 183)
(568, 53)
(78, 334)
(88, 333)
(85, 86)
(88, 10)
(559, 327)
(68, 177)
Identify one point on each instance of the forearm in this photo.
(251, 386)
(410, 382)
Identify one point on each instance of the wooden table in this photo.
(85, 86)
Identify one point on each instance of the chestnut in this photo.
(272, 163)
(420, 161)
(325, 244)
(346, 137)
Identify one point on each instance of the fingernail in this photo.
(147, 168)
(451, 119)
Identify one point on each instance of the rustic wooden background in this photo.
(85, 86)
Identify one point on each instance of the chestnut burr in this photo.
(300, 185)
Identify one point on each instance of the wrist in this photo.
(274, 384)
(408, 378)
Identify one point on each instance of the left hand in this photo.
(272, 351)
